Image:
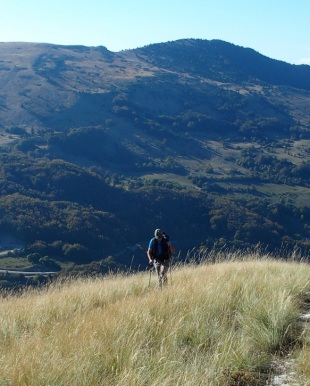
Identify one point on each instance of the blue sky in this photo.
(278, 29)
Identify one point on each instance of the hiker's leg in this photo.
(157, 267)
(164, 271)
(160, 275)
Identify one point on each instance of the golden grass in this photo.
(210, 323)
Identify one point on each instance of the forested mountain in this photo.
(205, 139)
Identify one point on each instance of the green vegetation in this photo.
(74, 214)
(267, 167)
(216, 324)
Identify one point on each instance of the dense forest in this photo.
(57, 202)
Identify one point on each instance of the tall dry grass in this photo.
(213, 322)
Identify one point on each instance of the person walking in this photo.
(159, 255)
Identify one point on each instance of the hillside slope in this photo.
(208, 327)
(61, 87)
(98, 148)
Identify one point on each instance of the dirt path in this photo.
(283, 369)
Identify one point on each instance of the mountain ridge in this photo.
(60, 78)
(228, 55)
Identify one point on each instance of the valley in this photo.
(98, 148)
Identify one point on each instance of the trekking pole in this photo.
(150, 278)
(150, 269)
(170, 269)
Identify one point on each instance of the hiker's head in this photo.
(158, 233)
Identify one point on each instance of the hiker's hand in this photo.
(151, 262)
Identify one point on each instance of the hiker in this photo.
(159, 254)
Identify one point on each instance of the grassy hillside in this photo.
(216, 324)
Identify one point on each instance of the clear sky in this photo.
(278, 29)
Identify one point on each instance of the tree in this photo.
(75, 252)
(34, 258)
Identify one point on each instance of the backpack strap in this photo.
(154, 248)
(166, 253)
